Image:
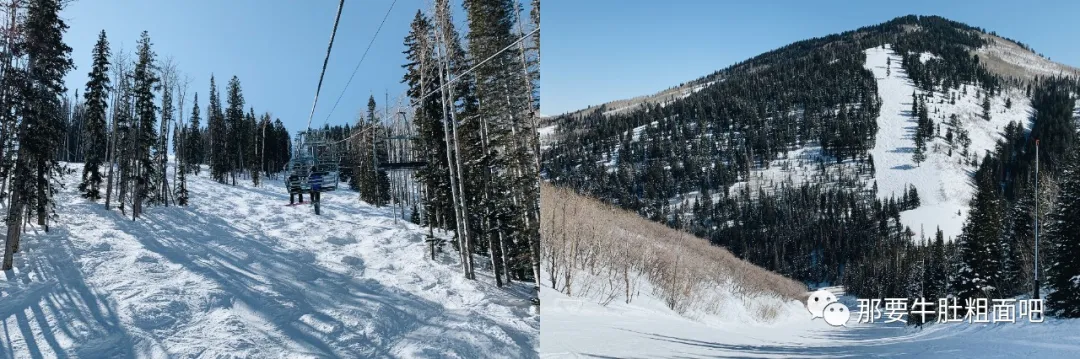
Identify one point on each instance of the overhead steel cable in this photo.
(455, 79)
(362, 57)
(318, 88)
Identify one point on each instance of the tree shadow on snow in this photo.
(52, 288)
(855, 342)
(283, 286)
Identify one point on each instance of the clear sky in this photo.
(601, 50)
(275, 47)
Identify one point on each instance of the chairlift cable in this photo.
(452, 81)
(326, 60)
(362, 57)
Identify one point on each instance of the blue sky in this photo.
(275, 47)
(601, 50)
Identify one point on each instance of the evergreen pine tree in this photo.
(96, 103)
(1018, 243)
(919, 155)
(41, 129)
(914, 104)
(913, 197)
(936, 267)
(218, 133)
(193, 141)
(980, 252)
(1063, 233)
(251, 159)
(234, 133)
(145, 141)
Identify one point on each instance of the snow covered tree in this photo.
(934, 275)
(980, 272)
(96, 95)
(986, 107)
(1063, 233)
(1017, 244)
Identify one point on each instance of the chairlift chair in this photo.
(314, 166)
(401, 148)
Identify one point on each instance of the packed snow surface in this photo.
(577, 328)
(239, 274)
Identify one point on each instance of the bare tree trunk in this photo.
(456, 189)
(503, 254)
(14, 228)
(42, 198)
(17, 208)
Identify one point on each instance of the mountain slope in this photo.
(802, 159)
(238, 274)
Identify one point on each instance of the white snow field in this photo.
(943, 181)
(577, 328)
(238, 274)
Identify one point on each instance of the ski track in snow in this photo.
(580, 328)
(943, 182)
(238, 274)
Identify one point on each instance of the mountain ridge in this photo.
(1002, 51)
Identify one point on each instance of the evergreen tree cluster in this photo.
(236, 143)
(34, 69)
(476, 130)
(118, 128)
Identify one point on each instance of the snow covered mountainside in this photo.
(943, 179)
(239, 274)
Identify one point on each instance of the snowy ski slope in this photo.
(238, 274)
(578, 328)
(943, 182)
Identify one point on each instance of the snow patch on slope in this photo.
(943, 181)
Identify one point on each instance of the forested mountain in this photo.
(837, 159)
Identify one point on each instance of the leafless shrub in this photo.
(591, 249)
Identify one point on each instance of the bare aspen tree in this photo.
(119, 70)
(453, 149)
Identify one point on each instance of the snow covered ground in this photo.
(576, 328)
(943, 181)
(238, 274)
